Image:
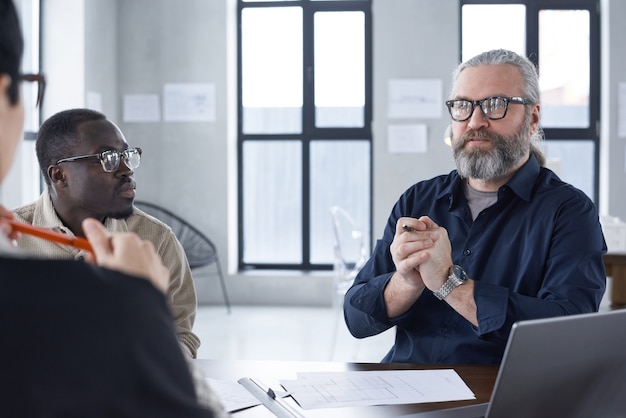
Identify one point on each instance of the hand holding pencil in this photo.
(5, 228)
(11, 228)
(124, 252)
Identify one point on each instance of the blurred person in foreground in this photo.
(80, 339)
(498, 240)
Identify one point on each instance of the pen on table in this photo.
(77, 242)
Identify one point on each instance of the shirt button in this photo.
(467, 251)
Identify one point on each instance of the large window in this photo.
(304, 131)
(563, 38)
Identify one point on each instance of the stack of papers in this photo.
(355, 388)
(388, 387)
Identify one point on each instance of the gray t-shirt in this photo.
(478, 200)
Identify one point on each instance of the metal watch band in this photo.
(452, 282)
(446, 289)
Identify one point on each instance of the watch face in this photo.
(459, 273)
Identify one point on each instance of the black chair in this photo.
(199, 249)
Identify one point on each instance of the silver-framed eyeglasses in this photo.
(493, 108)
(110, 159)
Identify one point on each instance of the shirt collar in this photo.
(116, 225)
(46, 217)
(522, 182)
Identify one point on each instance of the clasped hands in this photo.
(421, 252)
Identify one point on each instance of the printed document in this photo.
(387, 387)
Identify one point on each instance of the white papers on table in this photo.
(386, 387)
(234, 396)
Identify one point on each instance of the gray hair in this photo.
(530, 88)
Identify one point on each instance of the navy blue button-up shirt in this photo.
(537, 252)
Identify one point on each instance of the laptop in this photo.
(568, 366)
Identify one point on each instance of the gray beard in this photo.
(494, 163)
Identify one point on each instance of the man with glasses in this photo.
(498, 240)
(88, 168)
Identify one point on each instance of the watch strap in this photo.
(452, 282)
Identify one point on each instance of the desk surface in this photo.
(615, 265)
(480, 380)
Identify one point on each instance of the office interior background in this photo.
(104, 54)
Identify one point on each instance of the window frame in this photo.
(310, 132)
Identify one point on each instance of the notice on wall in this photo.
(141, 108)
(189, 102)
(406, 139)
(415, 98)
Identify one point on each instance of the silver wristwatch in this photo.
(456, 277)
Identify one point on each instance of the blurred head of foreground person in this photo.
(82, 339)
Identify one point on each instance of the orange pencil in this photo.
(80, 243)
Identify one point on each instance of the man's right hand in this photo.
(126, 252)
(406, 285)
(412, 236)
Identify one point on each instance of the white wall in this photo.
(136, 46)
(426, 31)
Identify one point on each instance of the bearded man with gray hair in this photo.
(498, 240)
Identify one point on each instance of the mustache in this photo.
(124, 182)
(480, 134)
(473, 134)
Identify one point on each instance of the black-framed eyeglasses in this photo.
(110, 160)
(493, 108)
(41, 84)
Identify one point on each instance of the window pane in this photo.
(272, 196)
(339, 177)
(564, 68)
(573, 162)
(339, 69)
(486, 27)
(272, 70)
